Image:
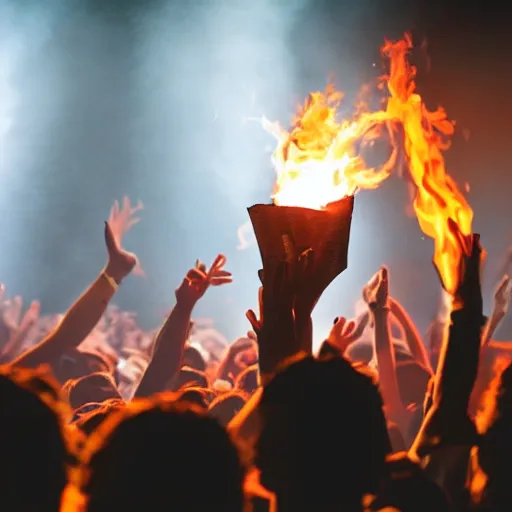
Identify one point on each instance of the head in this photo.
(171, 457)
(92, 388)
(35, 454)
(407, 488)
(226, 406)
(495, 451)
(248, 380)
(193, 359)
(201, 397)
(91, 415)
(189, 377)
(333, 413)
(75, 364)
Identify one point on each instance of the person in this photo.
(35, 450)
(323, 439)
(160, 455)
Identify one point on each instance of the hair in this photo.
(193, 358)
(318, 415)
(226, 406)
(92, 388)
(90, 416)
(248, 379)
(35, 451)
(189, 377)
(169, 455)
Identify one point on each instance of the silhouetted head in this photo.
(407, 488)
(193, 359)
(226, 406)
(201, 397)
(323, 434)
(75, 364)
(189, 377)
(248, 379)
(495, 451)
(34, 451)
(92, 388)
(159, 456)
(91, 415)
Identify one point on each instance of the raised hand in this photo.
(469, 291)
(199, 279)
(31, 316)
(121, 220)
(343, 334)
(120, 262)
(376, 292)
(502, 297)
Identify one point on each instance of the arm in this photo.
(376, 296)
(447, 421)
(86, 312)
(170, 341)
(499, 310)
(412, 336)
(16, 342)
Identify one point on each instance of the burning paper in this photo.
(326, 231)
(318, 161)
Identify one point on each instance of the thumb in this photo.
(255, 323)
(110, 240)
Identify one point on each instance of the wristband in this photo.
(111, 281)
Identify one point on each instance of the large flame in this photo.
(317, 161)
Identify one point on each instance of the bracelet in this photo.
(111, 281)
(374, 308)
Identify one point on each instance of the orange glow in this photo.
(317, 161)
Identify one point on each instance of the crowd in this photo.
(98, 415)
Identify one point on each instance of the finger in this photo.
(195, 273)
(221, 273)
(132, 222)
(126, 204)
(217, 264)
(349, 329)
(261, 305)
(255, 323)
(218, 281)
(201, 266)
(252, 335)
(384, 273)
(137, 208)
(504, 284)
(110, 241)
(138, 270)
(306, 260)
(115, 208)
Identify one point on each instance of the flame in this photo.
(317, 162)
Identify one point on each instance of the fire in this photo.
(317, 161)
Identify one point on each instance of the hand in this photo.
(469, 293)
(376, 292)
(275, 326)
(120, 262)
(343, 334)
(275, 297)
(121, 220)
(31, 316)
(11, 312)
(198, 280)
(502, 297)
